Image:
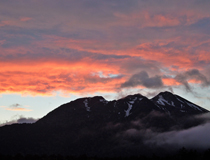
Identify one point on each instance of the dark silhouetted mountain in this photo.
(95, 126)
(175, 105)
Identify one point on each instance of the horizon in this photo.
(54, 52)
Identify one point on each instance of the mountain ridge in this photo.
(158, 103)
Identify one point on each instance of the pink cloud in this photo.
(25, 19)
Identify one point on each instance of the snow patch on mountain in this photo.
(140, 99)
(182, 106)
(133, 101)
(158, 106)
(172, 103)
(162, 101)
(127, 112)
(193, 106)
(86, 105)
(115, 104)
(179, 100)
(104, 101)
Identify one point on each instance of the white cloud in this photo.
(196, 137)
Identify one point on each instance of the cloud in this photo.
(193, 74)
(62, 48)
(143, 134)
(17, 107)
(20, 120)
(24, 19)
(47, 77)
(194, 138)
(26, 120)
(201, 26)
(142, 78)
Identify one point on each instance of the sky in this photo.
(52, 52)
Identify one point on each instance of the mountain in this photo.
(176, 105)
(95, 126)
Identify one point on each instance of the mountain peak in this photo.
(165, 94)
(175, 104)
(95, 98)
